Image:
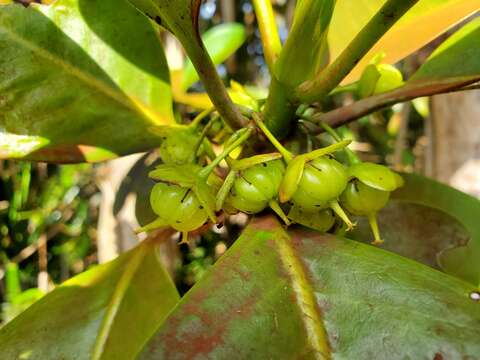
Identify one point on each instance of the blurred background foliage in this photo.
(50, 214)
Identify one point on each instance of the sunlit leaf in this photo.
(424, 22)
(80, 80)
(107, 312)
(461, 261)
(303, 295)
(454, 64)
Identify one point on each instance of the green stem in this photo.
(315, 154)
(287, 155)
(337, 209)
(279, 111)
(275, 206)
(198, 119)
(240, 137)
(326, 80)
(214, 86)
(202, 135)
(352, 157)
(268, 31)
(372, 219)
(225, 189)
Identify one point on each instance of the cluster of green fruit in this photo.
(310, 189)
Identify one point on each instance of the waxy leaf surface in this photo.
(306, 295)
(461, 261)
(453, 65)
(107, 312)
(421, 24)
(80, 80)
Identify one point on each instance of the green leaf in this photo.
(445, 61)
(291, 179)
(376, 176)
(184, 175)
(415, 231)
(460, 261)
(206, 196)
(221, 42)
(424, 22)
(81, 80)
(453, 65)
(305, 51)
(311, 296)
(107, 312)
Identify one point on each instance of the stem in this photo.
(204, 132)
(184, 238)
(352, 157)
(372, 219)
(326, 80)
(198, 119)
(154, 225)
(214, 87)
(287, 155)
(346, 114)
(279, 111)
(225, 189)
(315, 154)
(337, 209)
(275, 206)
(268, 31)
(241, 136)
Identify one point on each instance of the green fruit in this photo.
(256, 186)
(320, 220)
(377, 176)
(363, 200)
(178, 207)
(322, 181)
(178, 146)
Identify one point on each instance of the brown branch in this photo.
(346, 114)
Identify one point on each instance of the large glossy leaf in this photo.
(454, 64)
(464, 229)
(424, 22)
(107, 312)
(415, 231)
(80, 80)
(311, 296)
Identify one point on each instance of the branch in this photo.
(268, 31)
(215, 88)
(326, 80)
(346, 114)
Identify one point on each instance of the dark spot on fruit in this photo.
(178, 222)
(264, 164)
(185, 196)
(200, 207)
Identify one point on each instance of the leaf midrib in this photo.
(305, 297)
(84, 77)
(118, 295)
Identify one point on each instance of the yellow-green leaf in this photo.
(80, 80)
(107, 312)
(424, 22)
